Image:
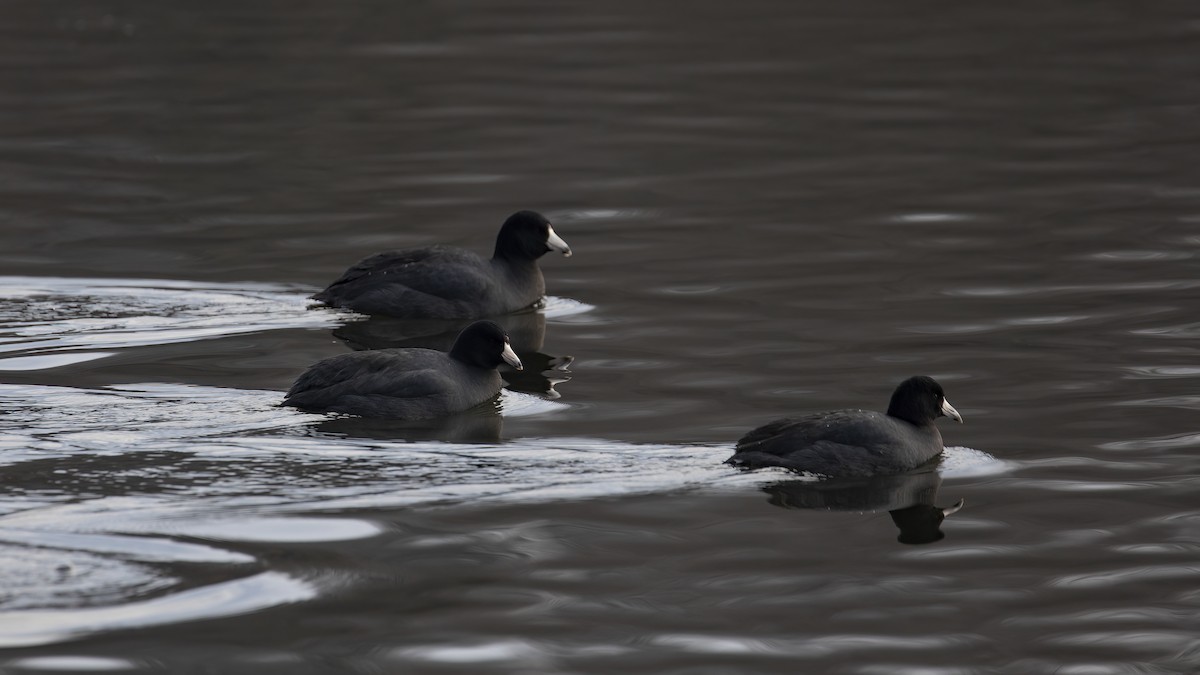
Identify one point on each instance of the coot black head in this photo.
(920, 400)
(527, 235)
(484, 344)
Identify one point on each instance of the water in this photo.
(774, 208)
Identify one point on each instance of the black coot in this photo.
(408, 384)
(445, 282)
(847, 443)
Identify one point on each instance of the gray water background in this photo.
(775, 208)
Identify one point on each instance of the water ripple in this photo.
(1130, 575)
(520, 651)
(74, 664)
(36, 579)
(194, 431)
(920, 218)
(1185, 401)
(1155, 643)
(1093, 289)
(1163, 371)
(563, 308)
(99, 563)
(961, 462)
(1158, 443)
(1187, 331)
(1101, 616)
(1141, 256)
(142, 548)
(45, 322)
(815, 647)
(36, 627)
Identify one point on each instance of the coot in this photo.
(408, 384)
(446, 282)
(847, 443)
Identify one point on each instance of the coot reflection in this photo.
(481, 424)
(908, 498)
(526, 332)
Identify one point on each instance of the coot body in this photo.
(846, 443)
(408, 384)
(446, 282)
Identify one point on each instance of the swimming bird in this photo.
(408, 384)
(847, 443)
(446, 282)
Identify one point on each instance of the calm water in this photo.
(775, 208)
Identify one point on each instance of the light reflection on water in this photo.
(115, 533)
(248, 472)
(49, 322)
(775, 207)
(42, 626)
(125, 483)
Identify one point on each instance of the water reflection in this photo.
(773, 197)
(229, 444)
(481, 424)
(46, 321)
(238, 596)
(526, 332)
(908, 498)
(104, 559)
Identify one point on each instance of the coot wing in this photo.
(430, 281)
(378, 372)
(826, 458)
(844, 427)
(765, 433)
(400, 262)
(843, 442)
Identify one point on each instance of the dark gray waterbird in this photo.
(446, 282)
(408, 384)
(847, 443)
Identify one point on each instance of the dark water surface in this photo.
(775, 207)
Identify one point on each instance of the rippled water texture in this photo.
(774, 207)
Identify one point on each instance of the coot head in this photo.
(527, 235)
(484, 344)
(920, 400)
